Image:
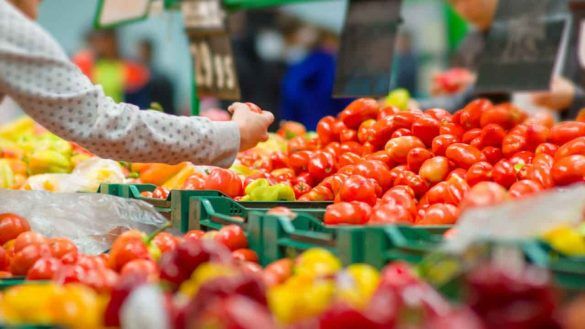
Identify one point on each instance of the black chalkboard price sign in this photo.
(522, 46)
(210, 46)
(367, 47)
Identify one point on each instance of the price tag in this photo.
(115, 12)
(367, 47)
(213, 61)
(522, 47)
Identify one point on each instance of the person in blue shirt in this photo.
(308, 83)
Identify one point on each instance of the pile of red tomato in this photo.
(383, 166)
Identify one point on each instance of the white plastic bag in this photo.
(144, 309)
(519, 219)
(91, 220)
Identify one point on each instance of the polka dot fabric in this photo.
(37, 74)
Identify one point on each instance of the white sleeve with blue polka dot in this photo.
(37, 74)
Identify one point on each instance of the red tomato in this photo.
(523, 188)
(484, 194)
(492, 154)
(504, 115)
(459, 172)
(318, 193)
(441, 142)
(348, 159)
(305, 178)
(127, 250)
(4, 260)
(353, 147)
(568, 170)
(524, 137)
(416, 157)
(102, 280)
(366, 130)
(26, 258)
(194, 235)
(439, 114)
(321, 165)
(547, 148)
(278, 272)
(282, 212)
(573, 147)
(347, 213)
(450, 128)
(26, 239)
(225, 181)
(142, 267)
(470, 116)
(232, 236)
(383, 130)
(418, 184)
(359, 188)
(11, 226)
(245, 255)
(401, 132)
(439, 214)
(426, 128)
(44, 269)
(402, 196)
(299, 161)
(328, 130)
(492, 135)
(335, 182)
(348, 135)
(398, 148)
(165, 242)
(279, 160)
(397, 171)
(504, 173)
(61, 247)
(540, 174)
(302, 143)
(566, 131)
(194, 182)
(389, 213)
(300, 189)
(359, 111)
(381, 156)
(479, 172)
(90, 262)
(464, 155)
(70, 274)
(470, 135)
(520, 159)
(434, 169)
(376, 170)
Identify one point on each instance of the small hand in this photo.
(253, 125)
(560, 96)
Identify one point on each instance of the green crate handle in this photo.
(319, 238)
(159, 203)
(217, 217)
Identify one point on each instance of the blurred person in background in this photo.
(563, 96)
(405, 68)
(122, 79)
(159, 88)
(309, 80)
(37, 74)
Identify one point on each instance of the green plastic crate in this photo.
(11, 282)
(567, 272)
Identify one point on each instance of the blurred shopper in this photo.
(405, 70)
(36, 73)
(159, 88)
(308, 83)
(122, 79)
(563, 96)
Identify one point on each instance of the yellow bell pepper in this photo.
(317, 263)
(566, 240)
(204, 273)
(48, 161)
(6, 174)
(178, 180)
(356, 284)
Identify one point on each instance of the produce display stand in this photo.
(567, 272)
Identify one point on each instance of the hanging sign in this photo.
(365, 61)
(213, 61)
(522, 46)
(112, 13)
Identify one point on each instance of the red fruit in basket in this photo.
(299, 161)
(225, 181)
(403, 196)
(171, 270)
(464, 155)
(470, 116)
(70, 274)
(347, 213)
(566, 131)
(232, 236)
(278, 272)
(348, 135)
(401, 132)
(348, 159)
(573, 147)
(90, 262)
(397, 275)
(353, 147)
(492, 154)
(418, 184)
(282, 212)
(194, 182)
(365, 130)
(504, 115)
(398, 148)
(283, 175)
(479, 172)
(118, 296)
(61, 247)
(524, 188)
(484, 194)
(11, 226)
(569, 170)
(165, 241)
(389, 213)
(359, 188)
(144, 267)
(470, 135)
(381, 156)
(27, 257)
(245, 255)
(524, 137)
(387, 111)
(359, 111)
(102, 280)
(426, 128)
(441, 142)
(321, 165)
(192, 253)
(504, 173)
(44, 269)
(546, 148)
(439, 114)
(376, 170)
(28, 238)
(318, 193)
(439, 214)
(194, 235)
(328, 130)
(434, 169)
(492, 135)
(302, 143)
(125, 251)
(416, 157)
(341, 315)
(449, 128)
(4, 260)
(300, 189)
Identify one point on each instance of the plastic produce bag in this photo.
(86, 177)
(519, 219)
(144, 309)
(90, 220)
